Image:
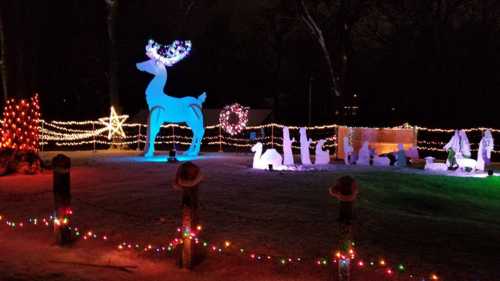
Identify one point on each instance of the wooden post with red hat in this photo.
(346, 191)
(62, 199)
(188, 179)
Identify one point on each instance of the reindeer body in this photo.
(164, 108)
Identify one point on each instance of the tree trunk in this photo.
(318, 34)
(3, 67)
(344, 55)
(113, 57)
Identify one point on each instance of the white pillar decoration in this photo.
(287, 147)
(305, 143)
(348, 149)
(464, 144)
(322, 156)
(484, 152)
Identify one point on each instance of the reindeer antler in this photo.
(168, 54)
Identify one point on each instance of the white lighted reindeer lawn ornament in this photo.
(164, 108)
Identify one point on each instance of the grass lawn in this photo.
(447, 225)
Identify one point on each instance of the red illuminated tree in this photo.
(20, 125)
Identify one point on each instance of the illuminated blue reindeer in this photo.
(164, 108)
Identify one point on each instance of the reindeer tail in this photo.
(202, 98)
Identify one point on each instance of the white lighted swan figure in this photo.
(262, 161)
(164, 108)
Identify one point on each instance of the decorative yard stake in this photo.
(188, 179)
(62, 198)
(346, 191)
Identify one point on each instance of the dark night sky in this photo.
(434, 69)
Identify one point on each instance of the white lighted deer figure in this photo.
(164, 108)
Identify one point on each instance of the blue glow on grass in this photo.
(162, 158)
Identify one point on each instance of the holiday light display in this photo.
(114, 124)
(233, 118)
(20, 129)
(81, 133)
(227, 247)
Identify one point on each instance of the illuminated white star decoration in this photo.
(114, 123)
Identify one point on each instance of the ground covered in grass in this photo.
(427, 223)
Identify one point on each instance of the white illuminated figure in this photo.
(287, 147)
(322, 156)
(348, 149)
(484, 152)
(381, 161)
(401, 159)
(464, 144)
(270, 157)
(452, 147)
(305, 143)
(430, 165)
(364, 154)
(164, 108)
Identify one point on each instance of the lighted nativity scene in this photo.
(291, 142)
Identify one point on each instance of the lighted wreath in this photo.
(233, 118)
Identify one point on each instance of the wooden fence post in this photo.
(272, 135)
(42, 136)
(62, 199)
(346, 191)
(220, 138)
(94, 136)
(188, 178)
(139, 139)
(173, 137)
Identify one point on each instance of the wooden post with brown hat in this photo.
(187, 179)
(62, 198)
(346, 191)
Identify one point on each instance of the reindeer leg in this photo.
(153, 129)
(199, 138)
(196, 125)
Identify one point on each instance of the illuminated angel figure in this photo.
(484, 153)
(164, 108)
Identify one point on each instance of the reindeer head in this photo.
(163, 55)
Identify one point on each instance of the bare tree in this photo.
(113, 56)
(317, 33)
(3, 66)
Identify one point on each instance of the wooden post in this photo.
(173, 136)
(346, 191)
(415, 134)
(189, 224)
(94, 135)
(42, 136)
(272, 135)
(62, 199)
(188, 178)
(139, 138)
(220, 137)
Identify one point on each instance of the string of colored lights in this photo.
(228, 247)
